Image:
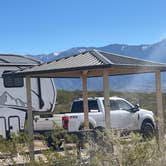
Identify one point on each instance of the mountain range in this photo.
(142, 82)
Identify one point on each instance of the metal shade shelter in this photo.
(94, 63)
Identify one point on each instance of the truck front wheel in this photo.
(147, 130)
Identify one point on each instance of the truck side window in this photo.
(123, 105)
(77, 106)
(114, 105)
(13, 82)
(92, 104)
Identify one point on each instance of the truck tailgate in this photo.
(57, 119)
(44, 124)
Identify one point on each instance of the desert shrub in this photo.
(113, 150)
(97, 148)
(11, 148)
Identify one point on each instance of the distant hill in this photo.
(145, 82)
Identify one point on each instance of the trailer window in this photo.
(13, 82)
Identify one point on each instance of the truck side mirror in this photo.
(136, 108)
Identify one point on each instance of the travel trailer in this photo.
(13, 101)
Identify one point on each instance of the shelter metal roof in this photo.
(94, 62)
(17, 60)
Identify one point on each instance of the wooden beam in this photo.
(30, 117)
(160, 115)
(85, 101)
(106, 99)
(69, 74)
(94, 73)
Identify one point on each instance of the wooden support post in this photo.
(85, 100)
(30, 117)
(160, 116)
(106, 99)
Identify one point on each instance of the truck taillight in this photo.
(65, 122)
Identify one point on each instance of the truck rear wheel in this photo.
(57, 145)
(82, 126)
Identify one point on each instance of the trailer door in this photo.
(3, 127)
(14, 124)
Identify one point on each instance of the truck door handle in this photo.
(46, 119)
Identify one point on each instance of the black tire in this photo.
(83, 135)
(147, 130)
(49, 141)
(82, 126)
(54, 145)
(100, 129)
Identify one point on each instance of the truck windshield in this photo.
(77, 106)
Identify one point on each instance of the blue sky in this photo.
(45, 26)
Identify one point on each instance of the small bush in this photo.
(96, 148)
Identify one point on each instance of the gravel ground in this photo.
(20, 159)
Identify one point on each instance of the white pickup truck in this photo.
(123, 114)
